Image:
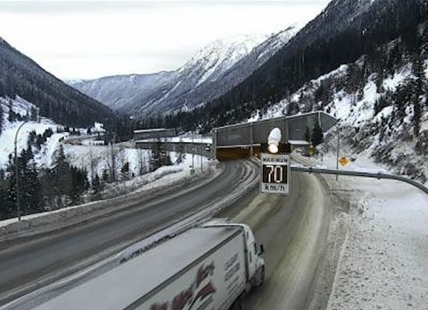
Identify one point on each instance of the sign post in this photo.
(275, 173)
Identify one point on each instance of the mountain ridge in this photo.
(374, 78)
(205, 76)
(22, 76)
(297, 62)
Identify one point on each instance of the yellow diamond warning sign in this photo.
(343, 161)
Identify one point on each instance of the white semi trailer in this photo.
(210, 267)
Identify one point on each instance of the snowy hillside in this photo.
(21, 76)
(219, 56)
(60, 166)
(7, 137)
(377, 117)
(211, 72)
(117, 91)
(44, 157)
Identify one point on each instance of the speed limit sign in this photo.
(275, 173)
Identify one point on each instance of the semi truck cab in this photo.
(255, 264)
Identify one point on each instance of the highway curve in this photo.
(293, 230)
(31, 264)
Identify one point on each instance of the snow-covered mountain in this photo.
(194, 82)
(364, 62)
(116, 91)
(218, 57)
(211, 72)
(21, 76)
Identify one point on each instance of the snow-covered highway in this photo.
(38, 261)
(293, 230)
(306, 235)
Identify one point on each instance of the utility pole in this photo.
(193, 153)
(91, 159)
(202, 158)
(113, 159)
(18, 206)
(201, 149)
(337, 153)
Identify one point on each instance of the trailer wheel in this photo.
(238, 304)
(260, 276)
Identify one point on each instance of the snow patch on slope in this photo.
(368, 114)
(221, 55)
(7, 137)
(345, 106)
(44, 157)
(392, 82)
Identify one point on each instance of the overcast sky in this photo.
(90, 39)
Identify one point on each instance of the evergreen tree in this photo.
(105, 177)
(47, 183)
(29, 185)
(402, 98)
(317, 134)
(63, 181)
(1, 119)
(64, 184)
(418, 91)
(11, 186)
(79, 184)
(31, 201)
(382, 102)
(112, 162)
(11, 117)
(6, 205)
(97, 185)
(48, 133)
(424, 43)
(292, 108)
(417, 114)
(34, 114)
(125, 171)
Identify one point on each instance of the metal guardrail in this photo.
(377, 175)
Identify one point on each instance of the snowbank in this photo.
(384, 259)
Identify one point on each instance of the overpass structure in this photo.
(154, 133)
(244, 140)
(197, 148)
(240, 140)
